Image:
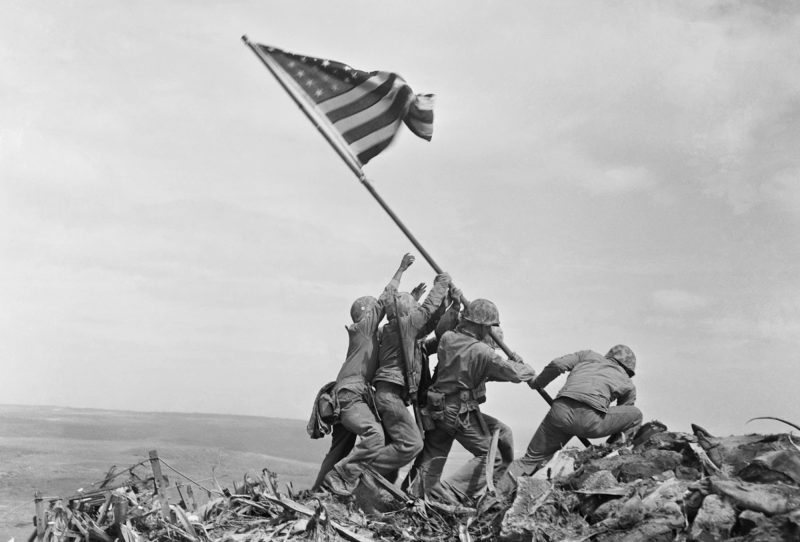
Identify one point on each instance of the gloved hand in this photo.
(532, 385)
(516, 357)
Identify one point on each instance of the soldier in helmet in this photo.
(353, 391)
(581, 408)
(400, 372)
(465, 363)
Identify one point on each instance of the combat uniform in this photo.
(400, 342)
(465, 364)
(580, 409)
(357, 414)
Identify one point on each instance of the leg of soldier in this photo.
(470, 479)
(434, 454)
(357, 417)
(342, 442)
(590, 423)
(552, 434)
(505, 443)
(404, 441)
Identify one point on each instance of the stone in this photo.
(735, 453)
(606, 510)
(627, 468)
(769, 499)
(714, 521)
(631, 512)
(671, 490)
(778, 466)
(749, 520)
(777, 528)
(648, 531)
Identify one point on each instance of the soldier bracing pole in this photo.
(355, 166)
(432, 263)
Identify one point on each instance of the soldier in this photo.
(343, 440)
(581, 408)
(353, 392)
(395, 387)
(465, 363)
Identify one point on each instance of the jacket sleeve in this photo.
(433, 321)
(502, 370)
(423, 313)
(449, 320)
(627, 396)
(557, 367)
(369, 324)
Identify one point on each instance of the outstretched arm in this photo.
(405, 263)
(371, 324)
(554, 368)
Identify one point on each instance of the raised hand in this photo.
(417, 292)
(408, 259)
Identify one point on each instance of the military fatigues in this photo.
(465, 363)
(356, 403)
(400, 342)
(580, 409)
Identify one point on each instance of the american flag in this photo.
(364, 108)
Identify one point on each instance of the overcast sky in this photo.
(175, 235)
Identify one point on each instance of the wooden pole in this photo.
(120, 510)
(160, 484)
(190, 494)
(40, 515)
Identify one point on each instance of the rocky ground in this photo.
(663, 486)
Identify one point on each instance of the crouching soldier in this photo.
(353, 392)
(399, 372)
(465, 363)
(581, 408)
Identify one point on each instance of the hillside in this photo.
(58, 450)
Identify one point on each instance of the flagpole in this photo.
(356, 169)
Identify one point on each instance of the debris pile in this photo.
(663, 486)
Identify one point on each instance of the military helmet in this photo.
(624, 356)
(482, 311)
(361, 306)
(488, 339)
(406, 304)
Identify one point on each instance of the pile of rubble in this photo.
(664, 486)
(667, 486)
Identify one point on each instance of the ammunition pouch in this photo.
(436, 404)
(427, 420)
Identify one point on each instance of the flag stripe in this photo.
(370, 112)
(355, 93)
(374, 151)
(363, 102)
(374, 138)
(394, 114)
(420, 129)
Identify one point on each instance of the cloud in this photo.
(678, 301)
(622, 179)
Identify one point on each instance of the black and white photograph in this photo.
(410, 271)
